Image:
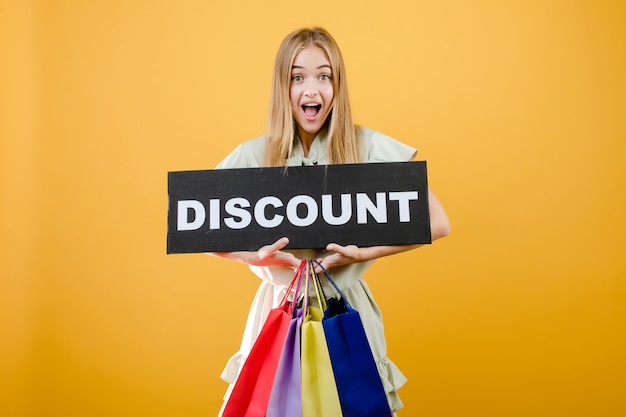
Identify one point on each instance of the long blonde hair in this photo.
(281, 132)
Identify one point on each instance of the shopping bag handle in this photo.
(296, 277)
(299, 274)
(348, 306)
(305, 302)
(311, 278)
(321, 297)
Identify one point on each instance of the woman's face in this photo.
(311, 91)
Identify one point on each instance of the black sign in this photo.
(244, 209)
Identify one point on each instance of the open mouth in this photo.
(311, 110)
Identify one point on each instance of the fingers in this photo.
(269, 250)
(288, 259)
(349, 250)
(318, 269)
(343, 255)
(333, 247)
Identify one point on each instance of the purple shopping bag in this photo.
(286, 396)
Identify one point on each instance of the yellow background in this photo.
(519, 107)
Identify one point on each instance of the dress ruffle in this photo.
(392, 379)
(230, 375)
(391, 376)
(233, 367)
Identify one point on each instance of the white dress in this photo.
(376, 147)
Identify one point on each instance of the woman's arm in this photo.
(269, 255)
(344, 255)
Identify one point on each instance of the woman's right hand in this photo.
(268, 255)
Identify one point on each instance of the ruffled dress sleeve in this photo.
(247, 155)
(381, 148)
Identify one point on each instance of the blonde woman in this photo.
(310, 123)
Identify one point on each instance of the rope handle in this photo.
(296, 278)
(305, 303)
(319, 290)
(299, 273)
(312, 279)
(348, 306)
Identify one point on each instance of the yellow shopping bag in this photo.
(319, 391)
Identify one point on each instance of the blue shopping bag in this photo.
(360, 389)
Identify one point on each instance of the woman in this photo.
(310, 123)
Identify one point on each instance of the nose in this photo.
(311, 89)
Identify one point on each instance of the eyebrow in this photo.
(320, 67)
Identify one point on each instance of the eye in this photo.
(296, 78)
(324, 77)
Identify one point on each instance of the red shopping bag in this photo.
(251, 393)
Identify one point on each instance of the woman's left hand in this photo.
(343, 255)
(346, 255)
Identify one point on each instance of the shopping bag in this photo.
(319, 392)
(251, 392)
(286, 396)
(361, 391)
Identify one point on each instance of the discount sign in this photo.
(245, 209)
